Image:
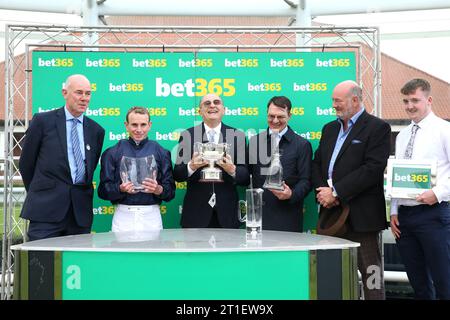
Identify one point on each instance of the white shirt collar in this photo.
(427, 121)
(69, 116)
(217, 129)
(281, 133)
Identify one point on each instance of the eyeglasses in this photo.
(272, 117)
(216, 102)
(81, 93)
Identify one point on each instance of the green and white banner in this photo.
(171, 85)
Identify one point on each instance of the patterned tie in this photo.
(78, 156)
(410, 146)
(211, 135)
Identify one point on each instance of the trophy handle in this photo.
(242, 207)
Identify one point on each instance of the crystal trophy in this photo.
(274, 177)
(252, 206)
(212, 152)
(137, 170)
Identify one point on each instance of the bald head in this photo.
(76, 79)
(77, 93)
(347, 99)
(350, 88)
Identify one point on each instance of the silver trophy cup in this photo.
(138, 169)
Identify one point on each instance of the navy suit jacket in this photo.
(196, 210)
(45, 170)
(358, 173)
(296, 156)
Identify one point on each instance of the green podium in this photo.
(177, 264)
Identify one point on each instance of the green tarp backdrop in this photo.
(170, 85)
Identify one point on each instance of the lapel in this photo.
(62, 134)
(88, 143)
(286, 138)
(223, 133)
(204, 137)
(359, 125)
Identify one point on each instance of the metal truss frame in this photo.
(364, 41)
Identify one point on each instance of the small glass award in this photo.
(138, 169)
(274, 177)
(252, 206)
(211, 152)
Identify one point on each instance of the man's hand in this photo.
(127, 187)
(197, 161)
(394, 226)
(284, 194)
(152, 186)
(325, 197)
(227, 164)
(427, 197)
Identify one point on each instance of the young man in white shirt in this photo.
(421, 226)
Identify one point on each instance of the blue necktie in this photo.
(78, 156)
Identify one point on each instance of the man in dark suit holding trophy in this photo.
(211, 199)
(283, 199)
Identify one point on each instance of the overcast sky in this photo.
(419, 38)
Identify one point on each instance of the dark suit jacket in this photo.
(296, 155)
(45, 170)
(358, 170)
(196, 210)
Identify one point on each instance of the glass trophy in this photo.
(137, 170)
(252, 206)
(211, 152)
(274, 177)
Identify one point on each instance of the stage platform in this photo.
(173, 264)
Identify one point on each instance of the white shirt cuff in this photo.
(190, 171)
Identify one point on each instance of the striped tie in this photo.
(78, 156)
(410, 146)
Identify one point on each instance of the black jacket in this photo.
(196, 210)
(358, 171)
(296, 155)
(110, 179)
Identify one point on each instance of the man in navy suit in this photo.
(283, 209)
(59, 155)
(348, 168)
(211, 204)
